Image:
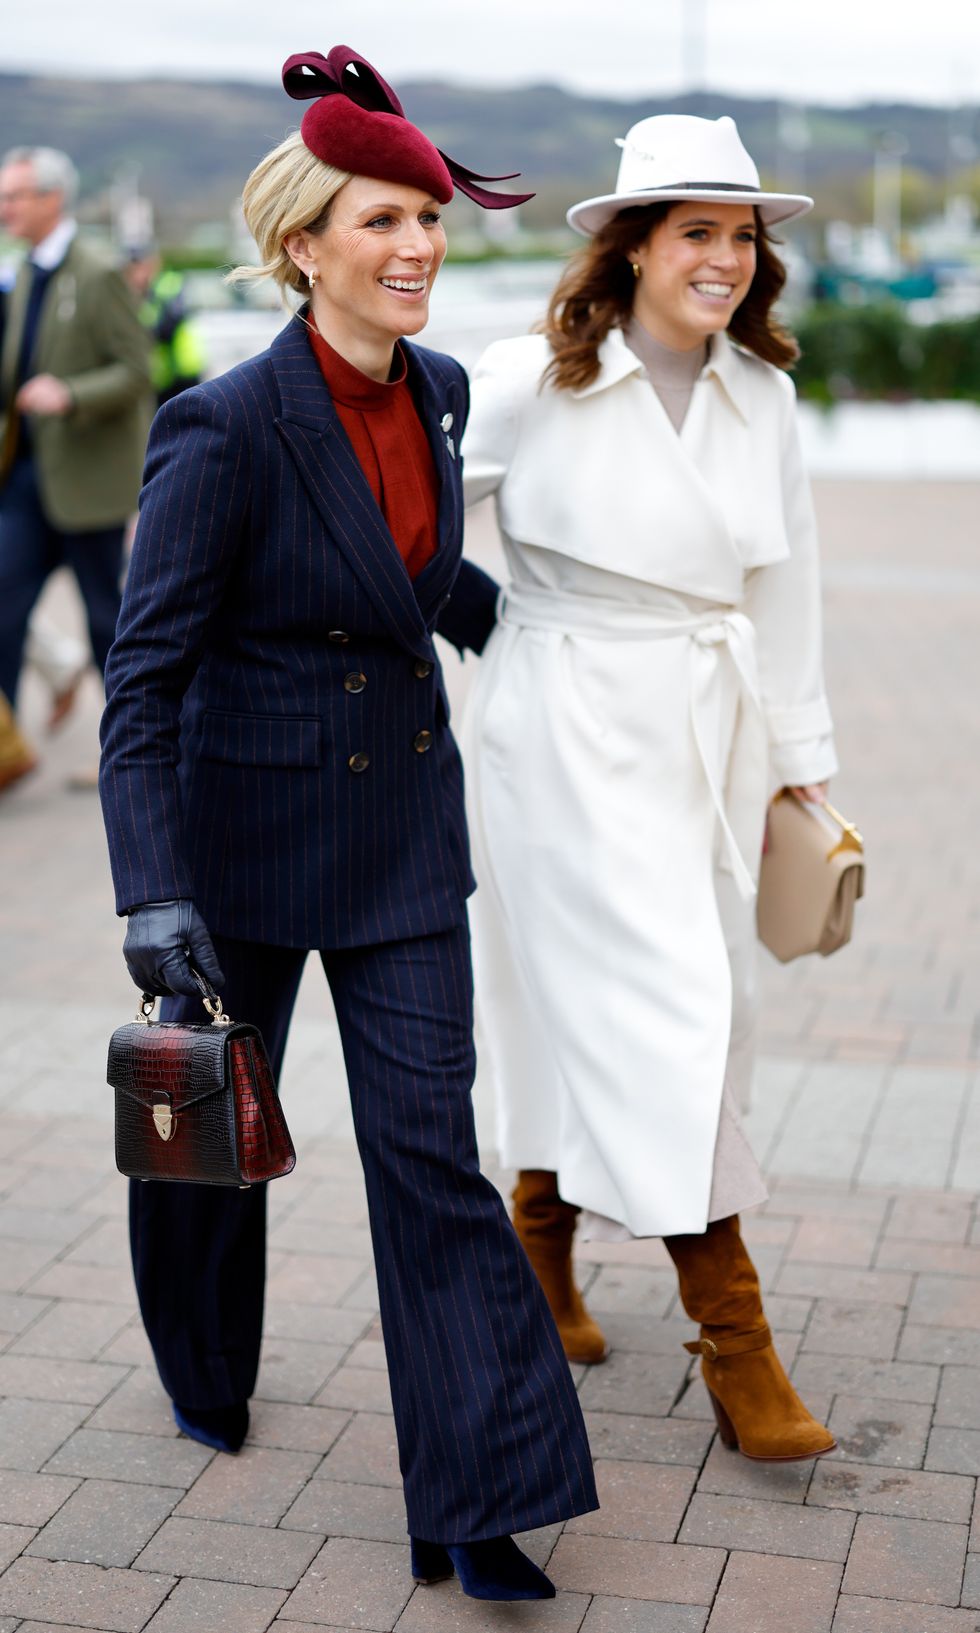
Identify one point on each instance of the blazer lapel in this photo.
(434, 408)
(311, 428)
(60, 304)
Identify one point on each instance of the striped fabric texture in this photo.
(490, 1432)
(277, 747)
(276, 740)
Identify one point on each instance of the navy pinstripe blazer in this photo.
(276, 739)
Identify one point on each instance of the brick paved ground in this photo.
(868, 1115)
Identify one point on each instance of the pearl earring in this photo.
(636, 268)
(311, 277)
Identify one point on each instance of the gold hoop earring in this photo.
(311, 277)
(636, 268)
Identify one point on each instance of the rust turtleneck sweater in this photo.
(392, 449)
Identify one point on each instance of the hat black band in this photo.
(699, 187)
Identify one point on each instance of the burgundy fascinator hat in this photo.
(358, 124)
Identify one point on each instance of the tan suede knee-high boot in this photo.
(757, 1409)
(546, 1225)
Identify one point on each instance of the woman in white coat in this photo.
(655, 673)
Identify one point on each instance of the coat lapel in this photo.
(60, 301)
(311, 428)
(717, 395)
(435, 407)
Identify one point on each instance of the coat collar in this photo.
(725, 364)
(51, 251)
(616, 362)
(728, 364)
(311, 427)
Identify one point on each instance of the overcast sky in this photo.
(818, 51)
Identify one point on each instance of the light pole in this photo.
(886, 212)
(794, 142)
(131, 213)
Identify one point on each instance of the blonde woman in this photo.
(280, 777)
(657, 668)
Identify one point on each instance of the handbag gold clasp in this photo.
(163, 1120)
(850, 839)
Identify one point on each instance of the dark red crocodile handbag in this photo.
(196, 1102)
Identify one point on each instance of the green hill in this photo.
(195, 142)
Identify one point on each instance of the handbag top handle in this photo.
(209, 999)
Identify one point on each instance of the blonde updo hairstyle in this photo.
(290, 190)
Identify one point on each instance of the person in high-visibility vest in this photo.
(177, 355)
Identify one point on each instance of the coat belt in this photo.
(718, 631)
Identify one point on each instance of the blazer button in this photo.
(355, 682)
(339, 637)
(423, 742)
(423, 668)
(359, 761)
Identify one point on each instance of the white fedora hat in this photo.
(673, 156)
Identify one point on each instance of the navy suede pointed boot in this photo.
(492, 1569)
(430, 1562)
(222, 1427)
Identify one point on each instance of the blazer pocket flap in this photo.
(261, 739)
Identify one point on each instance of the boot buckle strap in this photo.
(738, 1344)
(703, 1346)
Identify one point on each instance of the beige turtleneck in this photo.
(671, 373)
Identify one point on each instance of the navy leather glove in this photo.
(163, 941)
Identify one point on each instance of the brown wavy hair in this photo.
(595, 294)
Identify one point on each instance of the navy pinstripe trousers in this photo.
(490, 1434)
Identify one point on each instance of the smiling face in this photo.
(696, 268)
(375, 264)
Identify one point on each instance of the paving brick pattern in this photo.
(867, 1116)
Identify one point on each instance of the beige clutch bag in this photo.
(811, 876)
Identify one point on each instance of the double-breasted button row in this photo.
(355, 681)
(421, 743)
(338, 637)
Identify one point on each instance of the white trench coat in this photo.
(656, 671)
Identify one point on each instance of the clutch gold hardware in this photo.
(850, 839)
(163, 1120)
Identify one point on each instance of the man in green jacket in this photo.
(75, 401)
